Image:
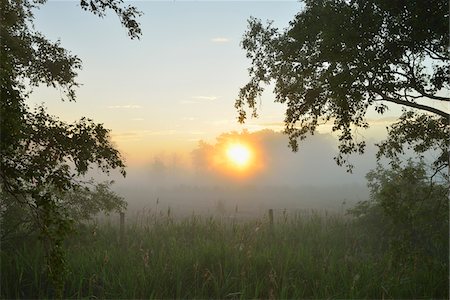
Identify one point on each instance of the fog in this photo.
(279, 179)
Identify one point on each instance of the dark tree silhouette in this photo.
(42, 157)
(337, 58)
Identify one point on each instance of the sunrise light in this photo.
(239, 155)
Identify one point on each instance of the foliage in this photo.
(57, 213)
(421, 133)
(409, 209)
(39, 153)
(303, 256)
(83, 203)
(127, 15)
(338, 58)
(78, 205)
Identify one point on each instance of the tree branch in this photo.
(419, 88)
(414, 105)
(434, 97)
(435, 55)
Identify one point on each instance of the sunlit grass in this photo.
(300, 256)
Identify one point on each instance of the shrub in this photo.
(408, 210)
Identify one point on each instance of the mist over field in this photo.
(303, 180)
(200, 104)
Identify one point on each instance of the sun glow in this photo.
(239, 155)
(236, 156)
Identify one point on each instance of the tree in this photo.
(42, 158)
(79, 205)
(407, 212)
(337, 58)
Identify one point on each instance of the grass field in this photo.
(299, 256)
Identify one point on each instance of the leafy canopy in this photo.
(37, 148)
(337, 58)
(42, 158)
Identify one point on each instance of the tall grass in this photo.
(300, 256)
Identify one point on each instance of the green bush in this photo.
(408, 211)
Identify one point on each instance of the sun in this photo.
(239, 155)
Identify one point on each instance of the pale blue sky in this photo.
(173, 87)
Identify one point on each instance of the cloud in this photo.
(382, 121)
(220, 40)
(223, 122)
(209, 98)
(155, 132)
(124, 134)
(124, 106)
(199, 99)
(385, 121)
(139, 134)
(137, 119)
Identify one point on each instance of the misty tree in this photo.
(41, 156)
(80, 204)
(338, 58)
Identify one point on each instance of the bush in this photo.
(408, 211)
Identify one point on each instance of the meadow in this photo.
(301, 255)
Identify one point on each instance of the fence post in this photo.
(122, 227)
(271, 217)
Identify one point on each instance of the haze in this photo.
(169, 99)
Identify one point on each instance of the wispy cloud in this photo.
(137, 119)
(209, 98)
(124, 106)
(140, 134)
(385, 121)
(161, 132)
(223, 122)
(382, 121)
(220, 40)
(124, 134)
(199, 99)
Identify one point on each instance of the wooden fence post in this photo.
(122, 227)
(271, 217)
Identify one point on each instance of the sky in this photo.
(174, 87)
(170, 89)
(169, 97)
